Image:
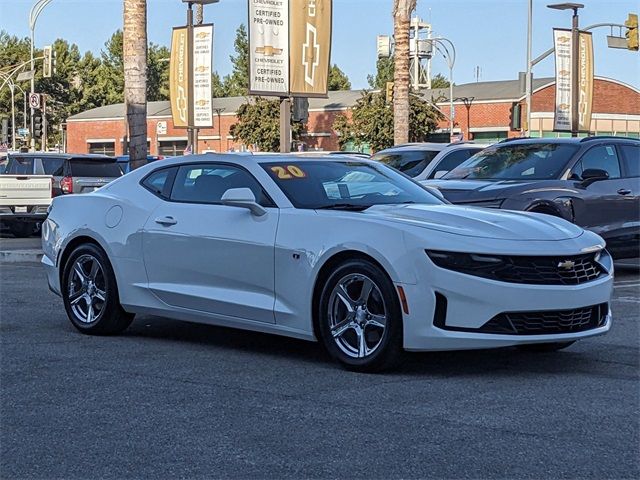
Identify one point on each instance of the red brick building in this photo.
(482, 111)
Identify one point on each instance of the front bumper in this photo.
(473, 301)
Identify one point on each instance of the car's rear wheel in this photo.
(22, 229)
(90, 293)
(360, 322)
(545, 347)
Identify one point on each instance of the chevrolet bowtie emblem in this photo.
(269, 50)
(567, 265)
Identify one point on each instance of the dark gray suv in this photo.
(593, 182)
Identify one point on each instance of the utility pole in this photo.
(285, 124)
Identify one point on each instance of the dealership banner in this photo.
(289, 47)
(202, 95)
(269, 47)
(564, 80)
(562, 111)
(585, 82)
(310, 43)
(179, 77)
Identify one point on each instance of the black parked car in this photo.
(593, 182)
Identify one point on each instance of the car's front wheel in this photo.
(90, 293)
(360, 322)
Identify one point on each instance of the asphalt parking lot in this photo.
(169, 399)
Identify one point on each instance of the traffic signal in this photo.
(632, 31)
(47, 62)
(389, 93)
(515, 116)
(300, 109)
(37, 124)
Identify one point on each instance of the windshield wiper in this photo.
(344, 206)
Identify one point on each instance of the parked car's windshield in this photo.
(344, 185)
(411, 163)
(536, 161)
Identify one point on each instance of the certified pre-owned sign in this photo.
(290, 43)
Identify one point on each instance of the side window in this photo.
(631, 154)
(602, 157)
(452, 160)
(157, 182)
(207, 183)
(53, 166)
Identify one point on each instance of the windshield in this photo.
(344, 185)
(410, 163)
(534, 161)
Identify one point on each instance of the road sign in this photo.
(23, 132)
(24, 76)
(34, 100)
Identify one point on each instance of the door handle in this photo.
(166, 221)
(624, 191)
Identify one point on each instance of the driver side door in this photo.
(202, 255)
(601, 206)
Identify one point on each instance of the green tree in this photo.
(237, 83)
(158, 72)
(439, 81)
(259, 124)
(371, 121)
(384, 74)
(217, 87)
(338, 80)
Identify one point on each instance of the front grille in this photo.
(572, 270)
(547, 322)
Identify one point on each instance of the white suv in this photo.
(424, 161)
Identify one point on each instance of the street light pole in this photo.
(451, 60)
(529, 79)
(575, 76)
(33, 16)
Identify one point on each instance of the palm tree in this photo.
(401, 23)
(135, 78)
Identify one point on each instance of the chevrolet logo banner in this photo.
(179, 78)
(310, 43)
(180, 74)
(289, 44)
(564, 81)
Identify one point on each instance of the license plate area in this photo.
(20, 209)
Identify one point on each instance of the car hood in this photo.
(479, 222)
(461, 191)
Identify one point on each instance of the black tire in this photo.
(385, 343)
(22, 229)
(108, 317)
(545, 347)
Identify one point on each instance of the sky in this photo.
(489, 35)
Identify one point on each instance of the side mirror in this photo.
(243, 198)
(591, 175)
(440, 173)
(436, 193)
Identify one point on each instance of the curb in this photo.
(14, 256)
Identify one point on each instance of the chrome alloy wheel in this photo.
(357, 315)
(87, 292)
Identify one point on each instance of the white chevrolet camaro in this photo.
(337, 249)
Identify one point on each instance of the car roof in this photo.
(82, 156)
(431, 146)
(565, 140)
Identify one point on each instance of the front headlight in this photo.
(469, 263)
(485, 204)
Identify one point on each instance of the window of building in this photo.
(171, 148)
(104, 148)
(489, 137)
